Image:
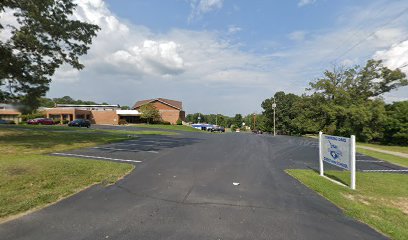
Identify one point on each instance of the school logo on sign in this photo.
(336, 151)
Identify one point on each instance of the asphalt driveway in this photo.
(182, 188)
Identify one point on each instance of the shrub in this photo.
(122, 122)
(57, 121)
(166, 123)
(26, 117)
(65, 122)
(12, 122)
(179, 122)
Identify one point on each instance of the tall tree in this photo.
(150, 113)
(44, 38)
(284, 113)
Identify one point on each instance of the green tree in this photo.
(238, 120)
(150, 113)
(396, 126)
(125, 107)
(45, 37)
(284, 112)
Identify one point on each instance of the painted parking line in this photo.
(96, 157)
(388, 170)
(368, 160)
(124, 149)
(151, 141)
(135, 144)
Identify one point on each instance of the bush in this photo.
(26, 117)
(165, 123)
(122, 122)
(65, 122)
(57, 121)
(12, 122)
(179, 122)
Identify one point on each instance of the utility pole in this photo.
(216, 119)
(199, 117)
(254, 121)
(273, 107)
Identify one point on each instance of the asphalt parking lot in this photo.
(182, 188)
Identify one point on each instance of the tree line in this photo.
(343, 102)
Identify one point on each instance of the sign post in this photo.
(338, 151)
(321, 154)
(353, 162)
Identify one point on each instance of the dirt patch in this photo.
(402, 204)
(349, 196)
(16, 171)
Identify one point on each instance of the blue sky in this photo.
(227, 56)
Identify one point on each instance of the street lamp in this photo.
(254, 121)
(273, 107)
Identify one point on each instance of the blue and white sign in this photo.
(339, 151)
(336, 150)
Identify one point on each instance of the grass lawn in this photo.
(169, 127)
(30, 180)
(401, 161)
(401, 149)
(380, 200)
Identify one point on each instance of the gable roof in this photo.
(172, 103)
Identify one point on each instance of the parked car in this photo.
(218, 129)
(79, 123)
(2, 121)
(41, 121)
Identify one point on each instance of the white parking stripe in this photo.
(367, 160)
(135, 144)
(124, 149)
(88, 156)
(383, 170)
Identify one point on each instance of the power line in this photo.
(371, 34)
(354, 34)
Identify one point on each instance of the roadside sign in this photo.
(338, 151)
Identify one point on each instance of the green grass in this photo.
(401, 161)
(401, 149)
(31, 180)
(380, 200)
(169, 127)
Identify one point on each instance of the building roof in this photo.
(89, 105)
(9, 109)
(9, 112)
(172, 103)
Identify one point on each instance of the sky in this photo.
(227, 56)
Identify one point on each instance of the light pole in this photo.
(199, 117)
(273, 107)
(254, 121)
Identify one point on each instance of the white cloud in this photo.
(7, 18)
(234, 29)
(396, 56)
(297, 35)
(129, 62)
(302, 3)
(200, 7)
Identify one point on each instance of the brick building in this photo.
(170, 110)
(10, 113)
(97, 114)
